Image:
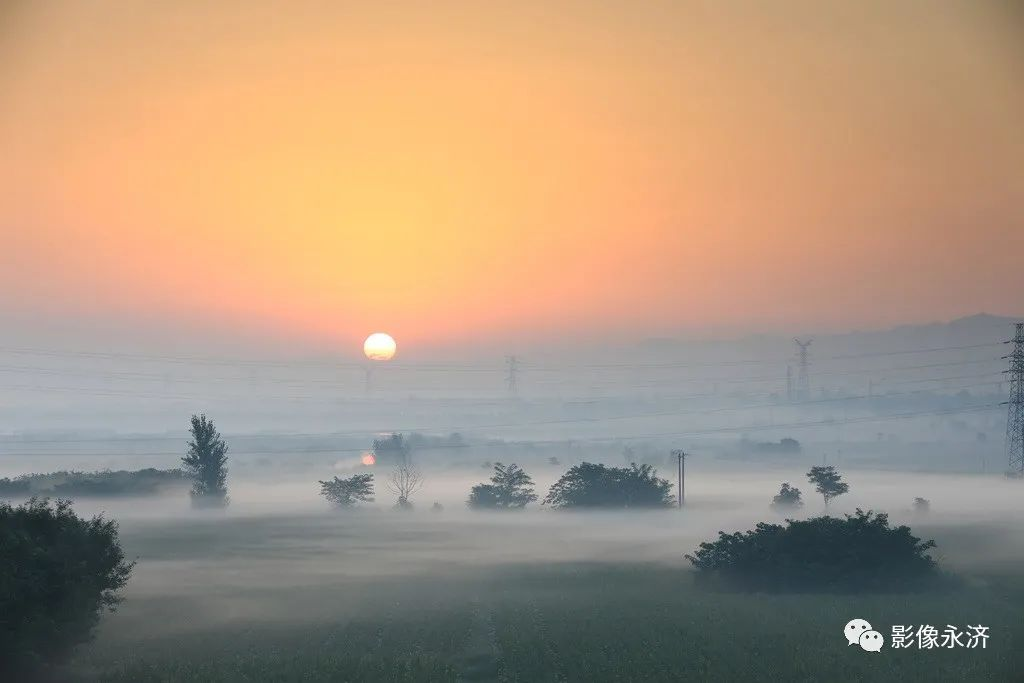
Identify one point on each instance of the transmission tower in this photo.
(512, 378)
(803, 378)
(1015, 412)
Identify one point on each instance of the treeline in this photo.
(587, 485)
(84, 484)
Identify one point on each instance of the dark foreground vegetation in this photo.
(858, 553)
(107, 483)
(58, 572)
(538, 623)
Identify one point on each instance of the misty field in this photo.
(385, 596)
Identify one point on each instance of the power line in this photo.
(474, 428)
(327, 384)
(763, 361)
(797, 425)
(634, 437)
(441, 367)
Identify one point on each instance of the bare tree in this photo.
(404, 481)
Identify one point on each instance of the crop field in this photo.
(380, 597)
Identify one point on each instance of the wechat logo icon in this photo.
(859, 632)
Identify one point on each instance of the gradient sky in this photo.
(478, 170)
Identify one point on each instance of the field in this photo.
(546, 597)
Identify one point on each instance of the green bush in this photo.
(588, 485)
(858, 553)
(788, 498)
(511, 488)
(345, 493)
(58, 572)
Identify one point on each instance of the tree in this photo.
(345, 493)
(827, 481)
(922, 506)
(859, 553)
(58, 573)
(510, 488)
(403, 482)
(788, 498)
(392, 449)
(590, 485)
(205, 463)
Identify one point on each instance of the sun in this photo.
(379, 346)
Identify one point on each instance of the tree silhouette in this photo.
(788, 498)
(205, 463)
(345, 493)
(858, 553)
(391, 450)
(510, 488)
(590, 485)
(58, 573)
(404, 481)
(827, 482)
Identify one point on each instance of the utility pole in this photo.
(803, 378)
(789, 383)
(681, 456)
(1015, 404)
(511, 379)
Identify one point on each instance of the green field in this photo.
(381, 598)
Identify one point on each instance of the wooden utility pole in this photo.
(681, 456)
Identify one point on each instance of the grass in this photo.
(233, 609)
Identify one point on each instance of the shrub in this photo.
(58, 573)
(788, 498)
(589, 485)
(510, 488)
(858, 553)
(345, 493)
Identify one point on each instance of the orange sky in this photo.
(444, 170)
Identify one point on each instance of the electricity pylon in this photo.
(512, 379)
(803, 378)
(1015, 404)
